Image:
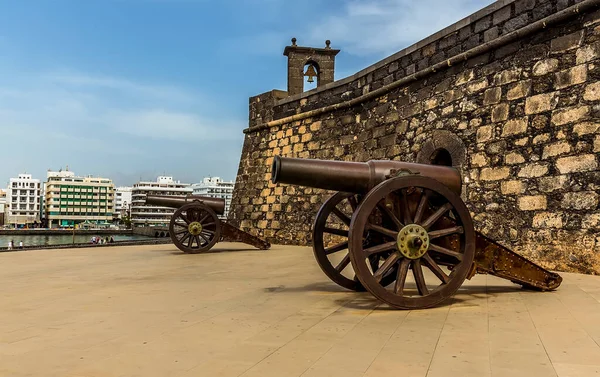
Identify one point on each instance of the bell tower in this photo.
(315, 63)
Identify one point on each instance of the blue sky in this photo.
(130, 89)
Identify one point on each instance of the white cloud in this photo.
(383, 27)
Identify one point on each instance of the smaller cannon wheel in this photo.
(195, 228)
(431, 229)
(333, 222)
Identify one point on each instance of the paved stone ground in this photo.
(153, 311)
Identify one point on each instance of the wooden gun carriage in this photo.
(195, 226)
(392, 217)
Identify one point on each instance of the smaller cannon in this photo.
(195, 226)
(390, 218)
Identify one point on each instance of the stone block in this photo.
(306, 137)
(484, 134)
(540, 139)
(516, 23)
(540, 103)
(494, 174)
(556, 149)
(314, 145)
(477, 85)
(571, 76)
(500, 113)
(501, 15)
(490, 34)
(315, 126)
(597, 144)
(532, 203)
(512, 187)
(575, 164)
(549, 184)
(588, 53)
(492, 96)
(298, 147)
(567, 42)
(580, 200)
(591, 220)
(392, 117)
(533, 170)
(519, 90)
(513, 158)
(515, 127)
(592, 92)
(547, 220)
(479, 160)
(524, 5)
(545, 66)
(286, 150)
(586, 128)
(506, 77)
(465, 77)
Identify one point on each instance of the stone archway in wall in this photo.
(445, 148)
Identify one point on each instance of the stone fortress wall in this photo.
(510, 94)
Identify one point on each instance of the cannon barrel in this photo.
(177, 201)
(354, 177)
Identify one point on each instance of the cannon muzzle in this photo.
(177, 201)
(354, 177)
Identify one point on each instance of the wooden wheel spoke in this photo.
(389, 262)
(345, 262)
(382, 230)
(339, 247)
(404, 208)
(419, 277)
(341, 216)
(445, 232)
(353, 202)
(207, 231)
(421, 207)
(190, 240)
(437, 271)
(379, 248)
(209, 224)
(435, 217)
(180, 224)
(204, 238)
(204, 218)
(445, 251)
(337, 232)
(184, 218)
(188, 235)
(392, 216)
(401, 276)
(181, 232)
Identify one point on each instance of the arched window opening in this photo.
(441, 156)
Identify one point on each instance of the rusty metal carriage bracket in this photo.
(494, 259)
(233, 234)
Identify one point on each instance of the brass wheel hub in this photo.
(195, 228)
(413, 241)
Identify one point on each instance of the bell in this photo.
(310, 72)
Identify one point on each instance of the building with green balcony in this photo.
(73, 200)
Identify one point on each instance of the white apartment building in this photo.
(215, 187)
(2, 206)
(23, 201)
(143, 214)
(122, 202)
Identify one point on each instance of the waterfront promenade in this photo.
(154, 311)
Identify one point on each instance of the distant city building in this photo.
(215, 187)
(2, 206)
(143, 214)
(73, 200)
(122, 202)
(23, 202)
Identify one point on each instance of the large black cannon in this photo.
(195, 226)
(392, 217)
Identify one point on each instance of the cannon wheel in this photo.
(431, 227)
(195, 228)
(337, 205)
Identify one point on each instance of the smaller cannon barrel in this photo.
(177, 201)
(354, 177)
